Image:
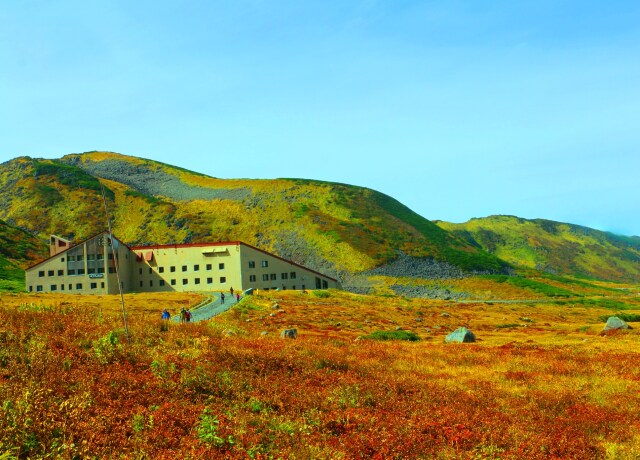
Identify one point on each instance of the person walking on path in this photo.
(231, 291)
(165, 314)
(183, 315)
(187, 315)
(237, 297)
(222, 297)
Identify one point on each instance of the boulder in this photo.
(445, 314)
(613, 322)
(247, 292)
(289, 334)
(462, 334)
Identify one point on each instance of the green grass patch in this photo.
(628, 317)
(536, 286)
(321, 294)
(148, 198)
(392, 335)
(507, 326)
(68, 175)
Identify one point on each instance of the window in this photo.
(318, 283)
(39, 288)
(70, 286)
(284, 276)
(173, 282)
(54, 287)
(172, 269)
(30, 288)
(79, 258)
(196, 281)
(161, 282)
(62, 259)
(252, 278)
(100, 269)
(99, 256)
(273, 276)
(151, 283)
(81, 271)
(141, 283)
(209, 280)
(112, 270)
(221, 266)
(160, 269)
(184, 268)
(62, 287)
(78, 285)
(209, 266)
(71, 258)
(71, 272)
(185, 281)
(150, 270)
(50, 273)
(94, 285)
(102, 285)
(292, 275)
(91, 257)
(325, 285)
(140, 271)
(223, 280)
(252, 264)
(265, 277)
(41, 273)
(265, 263)
(196, 268)
(91, 270)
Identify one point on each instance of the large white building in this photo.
(89, 267)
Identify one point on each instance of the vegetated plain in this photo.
(540, 382)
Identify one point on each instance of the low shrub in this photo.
(393, 335)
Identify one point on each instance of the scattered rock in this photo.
(263, 333)
(280, 311)
(445, 314)
(462, 334)
(228, 333)
(419, 319)
(247, 320)
(398, 328)
(289, 334)
(272, 314)
(615, 323)
(275, 306)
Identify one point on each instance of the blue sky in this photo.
(458, 109)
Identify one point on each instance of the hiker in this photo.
(165, 314)
(237, 297)
(222, 297)
(183, 315)
(187, 315)
(231, 291)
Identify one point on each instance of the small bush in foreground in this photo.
(393, 335)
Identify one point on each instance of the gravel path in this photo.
(208, 310)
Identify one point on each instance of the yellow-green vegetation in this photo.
(316, 223)
(17, 250)
(553, 246)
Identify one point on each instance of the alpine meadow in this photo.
(371, 370)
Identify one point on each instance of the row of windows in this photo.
(74, 272)
(252, 264)
(78, 286)
(185, 281)
(172, 268)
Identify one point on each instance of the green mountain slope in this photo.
(17, 250)
(335, 228)
(554, 247)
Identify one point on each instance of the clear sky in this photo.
(458, 109)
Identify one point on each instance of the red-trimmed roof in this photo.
(74, 246)
(228, 243)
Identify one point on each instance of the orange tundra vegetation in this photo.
(541, 382)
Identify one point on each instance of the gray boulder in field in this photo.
(613, 322)
(462, 334)
(289, 334)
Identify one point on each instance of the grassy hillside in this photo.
(17, 250)
(554, 247)
(332, 227)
